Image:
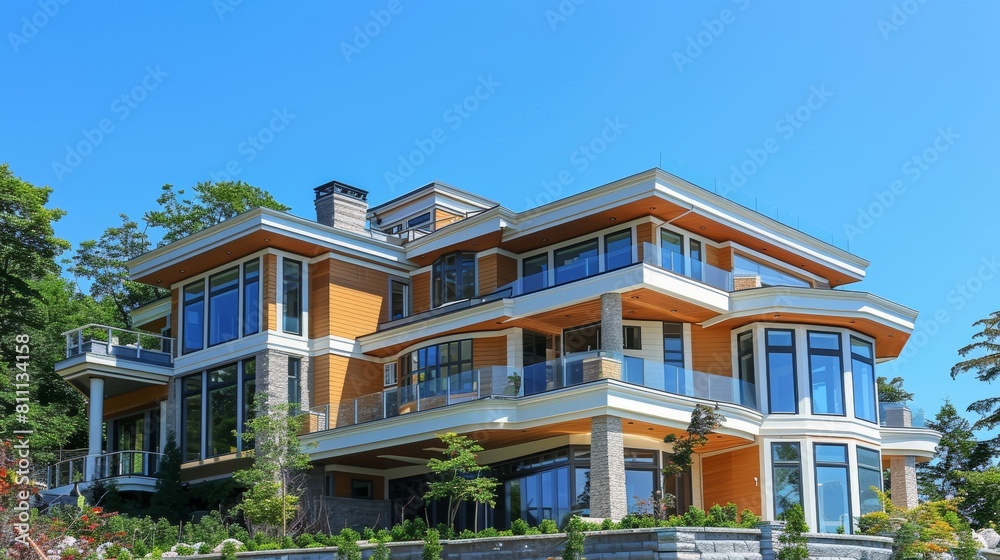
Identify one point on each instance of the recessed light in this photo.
(777, 314)
(852, 321)
(266, 239)
(161, 281)
(631, 422)
(763, 248)
(474, 244)
(634, 297)
(545, 239)
(651, 429)
(702, 228)
(613, 218)
(182, 272)
(652, 207)
(569, 315)
(229, 252)
(630, 311)
(890, 336)
(673, 311)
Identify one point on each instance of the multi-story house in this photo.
(568, 339)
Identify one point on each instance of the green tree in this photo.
(28, 251)
(169, 500)
(980, 493)
(891, 391)
(104, 263)
(275, 481)
(958, 451)
(704, 420)
(460, 476)
(793, 542)
(986, 367)
(212, 203)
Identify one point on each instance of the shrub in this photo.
(574, 539)
(548, 526)
(695, 517)
(722, 516)
(874, 523)
(792, 540)
(381, 550)
(749, 519)
(432, 546)
(519, 527)
(228, 551)
(347, 545)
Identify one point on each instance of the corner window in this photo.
(869, 479)
(618, 249)
(454, 278)
(781, 383)
(826, 373)
(221, 413)
(748, 379)
(863, 374)
(223, 306)
(291, 292)
(435, 370)
(194, 316)
(251, 297)
(576, 262)
(215, 407)
(833, 489)
(535, 273)
(419, 221)
(786, 469)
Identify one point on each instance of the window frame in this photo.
(594, 241)
(839, 354)
(299, 299)
(203, 301)
(198, 300)
(212, 293)
(846, 466)
(768, 348)
(294, 385)
(627, 233)
(250, 307)
(870, 362)
(438, 270)
(406, 311)
(244, 410)
(875, 468)
(775, 464)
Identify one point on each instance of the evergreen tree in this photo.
(986, 367)
(169, 500)
(958, 451)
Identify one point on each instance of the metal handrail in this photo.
(75, 338)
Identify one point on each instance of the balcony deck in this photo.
(135, 358)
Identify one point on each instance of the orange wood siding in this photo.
(711, 351)
(342, 484)
(729, 477)
(144, 398)
(712, 256)
(443, 218)
(488, 352)
(496, 271)
(421, 291)
(319, 299)
(175, 312)
(358, 299)
(724, 258)
(337, 378)
(270, 276)
(643, 234)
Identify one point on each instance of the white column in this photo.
(96, 426)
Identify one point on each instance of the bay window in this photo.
(826, 373)
(431, 367)
(869, 479)
(863, 374)
(786, 476)
(781, 380)
(454, 278)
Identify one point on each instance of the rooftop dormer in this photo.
(425, 210)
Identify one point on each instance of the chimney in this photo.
(341, 206)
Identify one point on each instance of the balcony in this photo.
(898, 415)
(506, 382)
(121, 466)
(121, 343)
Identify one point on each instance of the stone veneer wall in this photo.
(688, 543)
(272, 376)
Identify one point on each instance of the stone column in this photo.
(611, 323)
(902, 469)
(96, 427)
(172, 415)
(607, 468)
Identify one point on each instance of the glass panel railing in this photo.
(121, 343)
(894, 415)
(688, 382)
(683, 265)
(756, 275)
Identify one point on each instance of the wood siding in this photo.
(724, 258)
(711, 351)
(319, 299)
(729, 477)
(337, 378)
(712, 256)
(488, 352)
(443, 218)
(643, 234)
(342, 484)
(420, 291)
(142, 399)
(495, 271)
(348, 300)
(270, 276)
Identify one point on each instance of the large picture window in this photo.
(535, 273)
(454, 278)
(194, 317)
(576, 261)
(863, 374)
(786, 469)
(223, 397)
(291, 296)
(223, 306)
(618, 249)
(430, 368)
(224, 298)
(869, 479)
(826, 373)
(781, 380)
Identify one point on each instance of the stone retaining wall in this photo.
(687, 543)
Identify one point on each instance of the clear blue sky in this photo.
(288, 96)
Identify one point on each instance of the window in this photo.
(291, 296)
(389, 375)
(535, 273)
(576, 261)
(672, 251)
(191, 412)
(223, 306)
(454, 278)
(426, 371)
(194, 316)
(419, 220)
(786, 469)
(362, 489)
(826, 373)
(863, 373)
(696, 258)
(399, 299)
(328, 484)
(748, 380)
(673, 359)
(743, 266)
(221, 418)
(295, 384)
(223, 397)
(618, 249)
(251, 297)
(781, 382)
(632, 338)
(833, 496)
(869, 477)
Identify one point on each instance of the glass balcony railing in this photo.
(895, 415)
(506, 382)
(683, 265)
(121, 343)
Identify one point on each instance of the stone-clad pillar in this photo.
(607, 468)
(902, 469)
(611, 323)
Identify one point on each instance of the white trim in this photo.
(497, 251)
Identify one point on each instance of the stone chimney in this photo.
(341, 206)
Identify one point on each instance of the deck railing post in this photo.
(107, 349)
